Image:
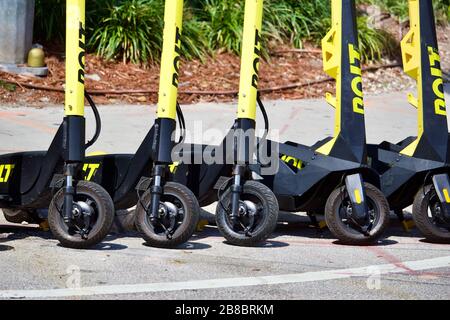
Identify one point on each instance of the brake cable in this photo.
(265, 116)
(182, 123)
(98, 121)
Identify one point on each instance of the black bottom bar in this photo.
(74, 139)
(163, 141)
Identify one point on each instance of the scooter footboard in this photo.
(25, 178)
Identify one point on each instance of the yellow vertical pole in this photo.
(251, 55)
(332, 59)
(75, 57)
(412, 57)
(332, 65)
(170, 60)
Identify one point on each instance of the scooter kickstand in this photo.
(319, 225)
(407, 225)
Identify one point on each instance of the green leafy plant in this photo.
(8, 86)
(294, 21)
(221, 21)
(400, 8)
(131, 31)
(50, 20)
(374, 43)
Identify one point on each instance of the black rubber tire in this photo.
(19, 216)
(187, 228)
(101, 228)
(420, 215)
(267, 227)
(349, 236)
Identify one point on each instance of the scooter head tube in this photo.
(251, 56)
(421, 61)
(164, 138)
(74, 122)
(244, 129)
(342, 61)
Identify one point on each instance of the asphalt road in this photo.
(298, 262)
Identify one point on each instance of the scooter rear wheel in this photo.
(426, 215)
(102, 217)
(336, 216)
(19, 215)
(264, 206)
(177, 198)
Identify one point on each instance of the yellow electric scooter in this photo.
(167, 212)
(80, 213)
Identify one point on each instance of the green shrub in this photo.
(295, 21)
(400, 9)
(130, 31)
(50, 20)
(221, 22)
(284, 22)
(375, 44)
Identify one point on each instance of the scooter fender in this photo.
(355, 189)
(441, 184)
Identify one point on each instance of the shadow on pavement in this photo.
(290, 225)
(104, 246)
(379, 243)
(212, 231)
(18, 232)
(433, 242)
(6, 248)
(301, 226)
(267, 244)
(186, 246)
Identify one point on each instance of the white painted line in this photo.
(409, 266)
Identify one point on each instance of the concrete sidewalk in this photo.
(388, 117)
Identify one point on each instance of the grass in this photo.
(8, 86)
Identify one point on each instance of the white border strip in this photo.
(409, 266)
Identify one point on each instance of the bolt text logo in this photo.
(438, 84)
(255, 77)
(355, 69)
(5, 172)
(82, 46)
(90, 169)
(176, 61)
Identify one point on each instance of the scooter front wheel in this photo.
(428, 216)
(258, 215)
(178, 217)
(338, 210)
(93, 206)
